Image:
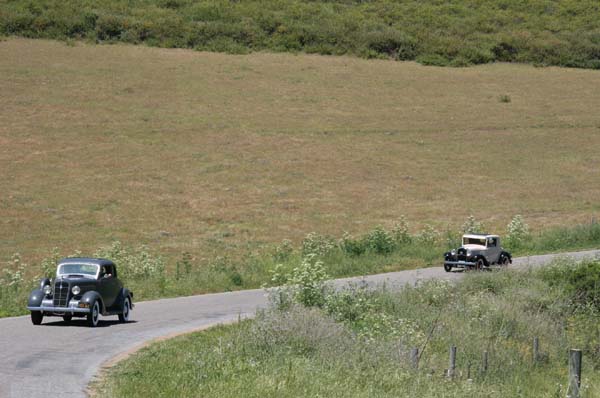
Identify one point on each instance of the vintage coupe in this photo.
(83, 287)
(477, 251)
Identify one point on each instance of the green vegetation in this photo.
(150, 276)
(457, 33)
(356, 343)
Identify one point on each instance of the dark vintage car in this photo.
(83, 287)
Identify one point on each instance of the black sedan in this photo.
(83, 287)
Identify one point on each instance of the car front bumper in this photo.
(60, 310)
(460, 264)
(48, 307)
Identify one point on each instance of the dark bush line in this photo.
(454, 33)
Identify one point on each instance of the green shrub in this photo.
(110, 27)
(393, 43)
(317, 245)
(400, 232)
(379, 241)
(429, 236)
(350, 246)
(471, 225)
(433, 60)
(517, 232)
(304, 285)
(455, 33)
(580, 283)
(283, 251)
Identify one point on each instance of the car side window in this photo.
(106, 271)
(492, 242)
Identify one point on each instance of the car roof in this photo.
(480, 236)
(85, 260)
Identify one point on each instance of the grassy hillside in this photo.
(218, 154)
(457, 32)
(358, 344)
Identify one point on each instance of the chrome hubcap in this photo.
(126, 310)
(95, 313)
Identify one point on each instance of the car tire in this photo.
(37, 317)
(447, 267)
(504, 261)
(67, 318)
(93, 317)
(479, 264)
(124, 317)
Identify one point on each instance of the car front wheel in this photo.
(447, 267)
(36, 317)
(504, 261)
(67, 318)
(479, 264)
(94, 315)
(124, 317)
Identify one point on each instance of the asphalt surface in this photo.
(59, 359)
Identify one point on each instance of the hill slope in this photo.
(194, 151)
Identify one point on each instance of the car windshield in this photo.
(474, 241)
(89, 270)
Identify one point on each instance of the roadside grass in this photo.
(222, 155)
(456, 33)
(358, 344)
(150, 276)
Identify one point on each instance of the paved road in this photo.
(42, 361)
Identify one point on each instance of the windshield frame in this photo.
(60, 274)
(466, 241)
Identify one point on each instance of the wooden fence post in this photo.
(452, 367)
(484, 362)
(574, 373)
(536, 350)
(414, 358)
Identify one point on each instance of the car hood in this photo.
(78, 281)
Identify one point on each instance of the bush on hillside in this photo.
(456, 33)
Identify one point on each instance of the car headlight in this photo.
(75, 290)
(469, 252)
(453, 252)
(47, 289)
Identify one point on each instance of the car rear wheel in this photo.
(94, 315)
(67, 318)
(36, 317)
(124, 317)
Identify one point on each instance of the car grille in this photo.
(61, 293)
(462, 254)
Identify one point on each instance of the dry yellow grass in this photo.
(203, 152)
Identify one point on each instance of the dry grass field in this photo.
(205, 152)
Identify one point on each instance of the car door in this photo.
(108, 285)
(493, 250)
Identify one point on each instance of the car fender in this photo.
(44, 282)
(506, 254)
(480, 256)
(35, 298)
(124, 293)
(90, 297)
